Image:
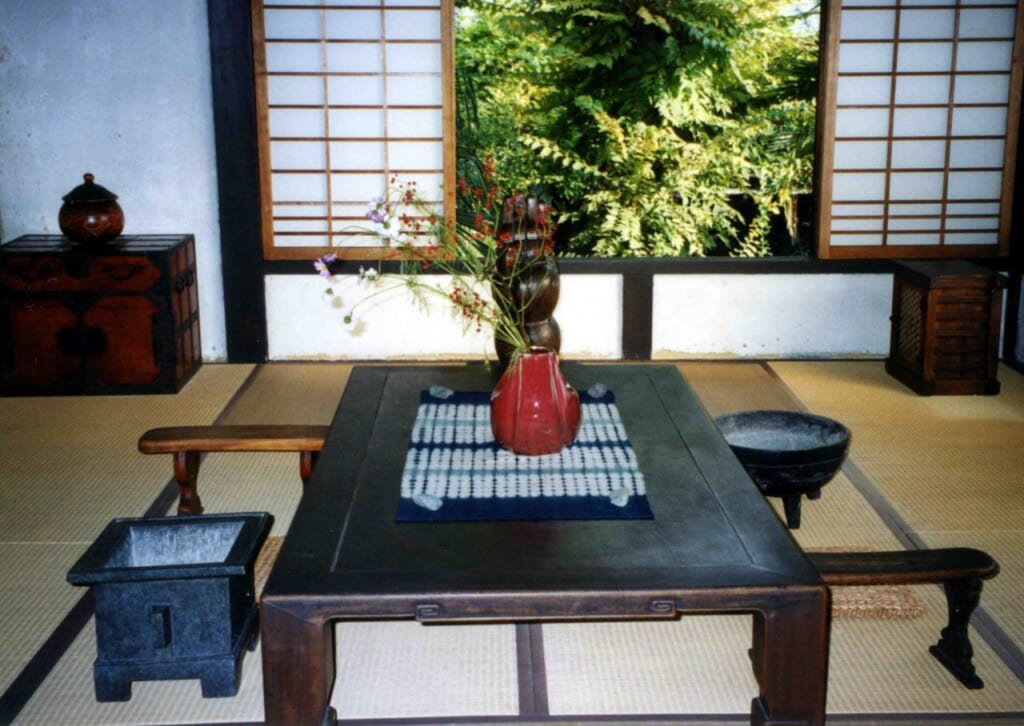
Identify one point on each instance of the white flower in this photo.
(392, 229)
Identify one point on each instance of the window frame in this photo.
(274, 252)
(824, 174)
(826, 139)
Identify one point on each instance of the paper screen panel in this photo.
(919, 135)
(349, 97)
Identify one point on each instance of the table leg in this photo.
(790, 659)
(298, 668)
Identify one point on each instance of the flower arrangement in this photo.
(485, 261)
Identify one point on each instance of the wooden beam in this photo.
(234, 116)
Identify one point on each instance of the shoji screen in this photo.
(918, 128)
(350, 95)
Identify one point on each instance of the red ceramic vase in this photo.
(534, 410)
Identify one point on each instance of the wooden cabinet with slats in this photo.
(945, 327)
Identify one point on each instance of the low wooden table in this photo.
(714, 545)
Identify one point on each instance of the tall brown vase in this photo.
(528, 272)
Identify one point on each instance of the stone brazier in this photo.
(787, 453)
(174, 600)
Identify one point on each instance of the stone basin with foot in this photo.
(788, 454)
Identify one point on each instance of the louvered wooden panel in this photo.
(945, 327)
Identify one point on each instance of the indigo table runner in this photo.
(456, 472)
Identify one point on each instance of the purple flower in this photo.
(377, 210)
(323, 265)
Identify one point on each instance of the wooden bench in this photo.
(187, 443)
(959, 569)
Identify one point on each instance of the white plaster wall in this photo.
(303, 323)
(589, 314)
(695, 316)
(776, 316)
(119, 88)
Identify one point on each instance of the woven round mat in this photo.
(875, 602)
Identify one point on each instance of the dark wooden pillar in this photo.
(234, 116)
(637, 311)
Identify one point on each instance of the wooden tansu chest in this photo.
(120, 318)
(945, 327)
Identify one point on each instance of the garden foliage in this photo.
(643, 121)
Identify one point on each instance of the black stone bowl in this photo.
(787, 454)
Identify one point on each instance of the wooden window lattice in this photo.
(918, 128)
(349, 96)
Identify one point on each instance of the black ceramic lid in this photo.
(89, 192)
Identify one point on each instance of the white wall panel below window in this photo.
(304, 324)
(771, 315)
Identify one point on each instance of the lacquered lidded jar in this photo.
(90, 213)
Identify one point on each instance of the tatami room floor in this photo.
(923, 472)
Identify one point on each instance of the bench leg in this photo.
(307, 460)
(186, 472)
(954, 648)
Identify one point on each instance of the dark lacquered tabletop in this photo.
(711, 526)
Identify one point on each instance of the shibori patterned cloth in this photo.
(456, 472)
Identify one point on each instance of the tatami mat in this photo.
(883, 666)
(698, 664)
(951, 466)
(391, 670)
(725, 387)
(401, 669)
(68, 465)
(291, 393)
(251, 482)
(67, 697)
(940, 460)
(33, 598)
